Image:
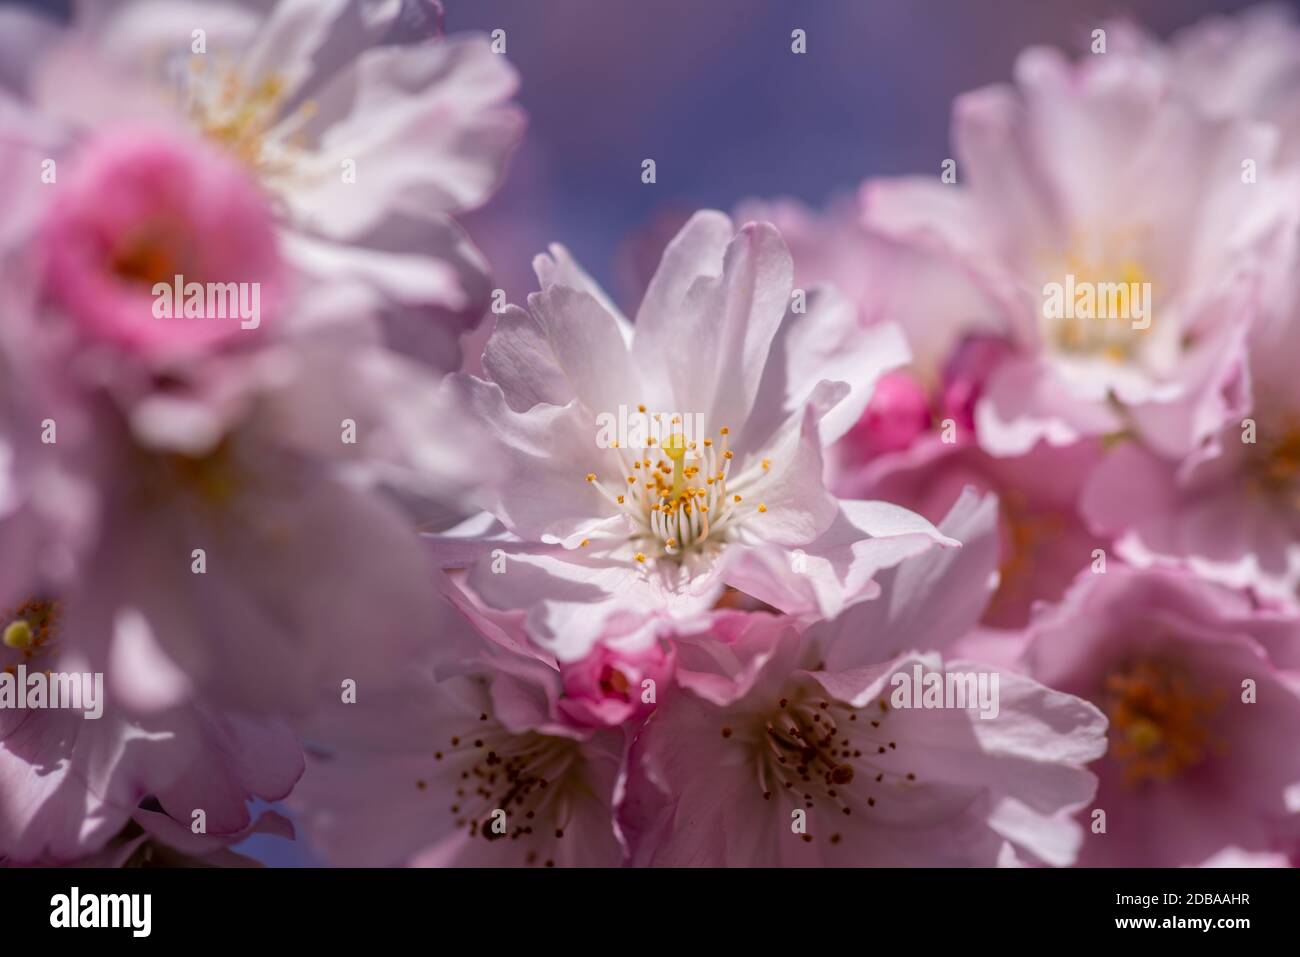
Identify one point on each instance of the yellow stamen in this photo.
(1160, 723)
(18, 634)
(675, 449)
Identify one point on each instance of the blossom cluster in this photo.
(955, 524)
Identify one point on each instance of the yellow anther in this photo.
(18, 634)
(735, 498)
(584, 543)
(591, 476)
(640, 556)
(762, 507)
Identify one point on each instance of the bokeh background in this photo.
(711, 91)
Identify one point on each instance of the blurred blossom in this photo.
(72, 782)
(1040, 201)
(1188, 675)
(964, 376)
(330, 113)
(1043, 542)
(1244, 66)
(899, 411)
(1230, 506)
(138, 209)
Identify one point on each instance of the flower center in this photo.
(212, 480)
(821, 754)
(240, 116)
(685, 501)
(154, 253)
(1160, 722)
(613, 683)
(531, 777)
(1098, 308)
(1277, 466)
(29, 629)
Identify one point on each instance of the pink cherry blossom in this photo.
(588, 529)
(142, 207)
(476, 767)
(1200, 691)
(775, 721)
(1041, 204)
(368, 130)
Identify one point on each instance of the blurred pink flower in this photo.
(897, 415)
(1244, 65)
(69, 783)
(1043, 540)
(965, 375)
(366, 138)
(1229, 507)
(189, 484)
(1040, 199)
(142, 207)
(1201, 692)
